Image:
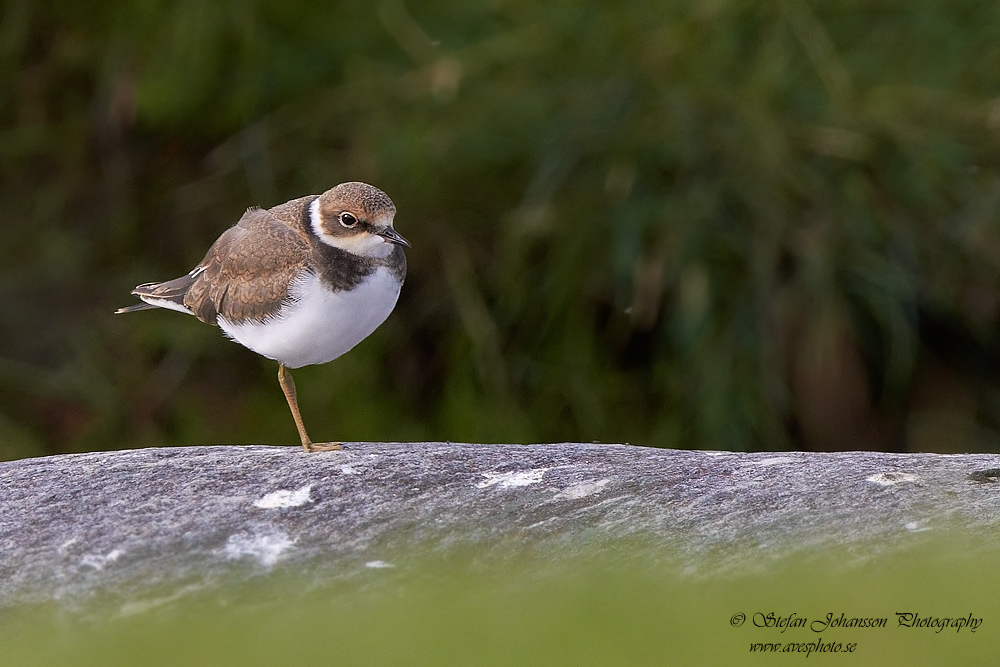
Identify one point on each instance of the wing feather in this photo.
(246, 275)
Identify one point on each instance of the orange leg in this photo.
(288, 386)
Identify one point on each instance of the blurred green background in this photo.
(711, 224)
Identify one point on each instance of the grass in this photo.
(531, 613)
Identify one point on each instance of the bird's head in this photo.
(356, 217)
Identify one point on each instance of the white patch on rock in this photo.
(285, 498)
(890, 478)
(267, 549)
(772, 461)
(97, 561)
(378, 564)
(915, 527)
(348, 470)
(581, 490)
(510, 480)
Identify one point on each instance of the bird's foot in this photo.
(322, 446)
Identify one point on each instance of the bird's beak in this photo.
(392, 236)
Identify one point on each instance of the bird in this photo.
(300, 283)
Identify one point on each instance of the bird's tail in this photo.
(132, 309)
(163, 295)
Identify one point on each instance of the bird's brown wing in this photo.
(247, 273)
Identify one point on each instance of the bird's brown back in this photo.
(248, 271)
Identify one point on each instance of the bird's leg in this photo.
(288, 386)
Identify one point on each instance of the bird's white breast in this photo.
(320, 325)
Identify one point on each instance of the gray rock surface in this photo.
(177, 519)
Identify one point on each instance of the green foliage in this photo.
(691, 224)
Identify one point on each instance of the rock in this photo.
(125, 523)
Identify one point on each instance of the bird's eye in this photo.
(348, 220)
